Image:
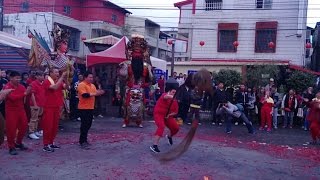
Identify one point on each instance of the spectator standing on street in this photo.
(36, 104)
(289, 105)
(251, 103)
(161, 83)
(308, 96)
(86, 93)
(266, 111)
(98, 100)
(196, 100)
(183, 98)
(277, 104)
(219, 97)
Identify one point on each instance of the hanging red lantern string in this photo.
(170, 42)
(202, 43)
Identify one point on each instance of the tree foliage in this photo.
(254, 75)
(228, 77)
(300, 81)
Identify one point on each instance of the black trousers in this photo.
(86, 116)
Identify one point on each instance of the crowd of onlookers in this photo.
(262, 105)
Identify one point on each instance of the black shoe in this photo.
(154, 148)
(170, 142)
(22, 147)
(13, 151)
(52, 146)
(48, 149)
(85, 146)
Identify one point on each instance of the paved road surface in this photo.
(119, 153)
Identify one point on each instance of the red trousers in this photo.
(15, 120)
(50, 123)
(161, 123)
(266, 117)
(315, 130)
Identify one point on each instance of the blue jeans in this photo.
(275, 117)
(305, 114)
(288, 116)
(243, 118)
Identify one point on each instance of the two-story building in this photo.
(84, 18)
(237, 33)
(151, 31)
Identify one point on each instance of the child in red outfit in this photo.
(16, 118)
(266, 111)
(164, 117)
(314, 118)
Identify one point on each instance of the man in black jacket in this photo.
(183, 97)
(219, 97)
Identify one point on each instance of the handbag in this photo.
(300, 112)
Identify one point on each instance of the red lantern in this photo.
(201, 43)
(83, 38)
(308, 45)
(236, 44)
(271, 45)
(30, 35)
(170, 42)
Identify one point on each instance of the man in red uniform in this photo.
(16, 118)
(314, 118)
(164, 117)
(53, 87)
(36, 104)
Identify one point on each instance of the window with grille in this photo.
(25, 6)
(213, 5)
(74, 41)
(114, 18)
(67, 10)
(227, 35)
(266, 32)
(263, 4)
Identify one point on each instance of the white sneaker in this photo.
(244, 124)
(236, 123)
(39, 134)
(100, 116)
(78, 119)
(220, 124)
(213, 123)
(140, 126)
(124, 126)
(33, 136)
(199, 124)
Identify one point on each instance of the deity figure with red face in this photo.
(137, 72)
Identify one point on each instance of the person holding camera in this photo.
(232, 111)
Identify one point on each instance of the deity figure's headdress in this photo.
(59, 36)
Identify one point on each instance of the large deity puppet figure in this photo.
(137, 73)
(42, 58)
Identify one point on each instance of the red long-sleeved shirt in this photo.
(15, 100)
(162, 106)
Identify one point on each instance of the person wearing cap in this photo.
(164, 112)
(269, 86)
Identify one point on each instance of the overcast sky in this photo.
(158, 15)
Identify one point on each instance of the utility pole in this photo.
(1, 14)
(172, 60)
